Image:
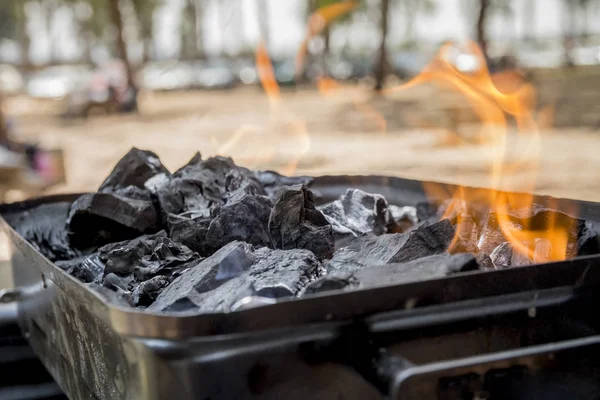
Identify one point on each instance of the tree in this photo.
(144, 12)
(382, 57)
(13, 26)
(411, 8)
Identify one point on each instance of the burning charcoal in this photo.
(272, 181)
(229, 262)
(502, 255)
(236, 271)
(541, 253)
(466, 231)
(401, 219)
(357, 212)
(430, 267)
(116, 282)
(134, 169)
(202, 185)
(99, 218)
(44, 227)
(146, 292)
(370, 250)
(296, 223)
(484, 261)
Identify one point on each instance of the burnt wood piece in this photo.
(401, 219)
(272, 181)
(357, 212)
(44, 227)
(295, 223)
(370, 250)
(237, 271)
(87, 269)
(429, 267)
(100, 218)
(202, 185)
(134, 169)
(146, 292)
(582, 235)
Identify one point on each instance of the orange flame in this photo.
(497, 99)
(266, 74)
(317, 22)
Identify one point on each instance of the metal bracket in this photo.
(9, 296)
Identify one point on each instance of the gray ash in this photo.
(211, 234)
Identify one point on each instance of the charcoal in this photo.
(148, 256)
(89, 270)
(484, 261)
(401, 219)
(146, 292)
(425, 211)
(227, 263)
(44, 227)
(190, 232)
(295, 223)
(246, 220)
(134, 169)
(357, 212)
(100, 218)
(466, 235)
(505, 256)
(237, 271)
(371, 250)
(117, 283)
(588, 240)
(202, 185)
(114, 297)
(272, 181)
(434, 266)
(70, 265)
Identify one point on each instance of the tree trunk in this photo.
(120, 44)
(382, 63)
(481, 25)
(198, 13)
(569, 22)
(189, 31)
(263, 21)
(25, 39)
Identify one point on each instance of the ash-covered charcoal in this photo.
(202, 185)
(429, 267)
(370, 250)
(357, 212)
(295, 223)
(99, 218)
(272, 181)
(146, 292)
(237, 271)
(582, 238)
(134, 169)
(44, 227)
(401, 219)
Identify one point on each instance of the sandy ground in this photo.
(305, 134)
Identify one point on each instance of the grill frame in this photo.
(95, 349)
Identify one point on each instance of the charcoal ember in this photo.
(371, 250)
(118, 283)
(272, 181)
(506, 256)
(237, 271)
(227, 263)
(146, 292)
(434, 266)
(401, 219)
(466, 235)
(202, 185)
(100, 218)
(357, 212)
(581, 239)
(44, 227)
(134, 169)
(295, 223)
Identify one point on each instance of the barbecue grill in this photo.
(520, 332)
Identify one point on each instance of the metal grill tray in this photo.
(101, 351)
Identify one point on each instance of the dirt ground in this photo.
(305, 133)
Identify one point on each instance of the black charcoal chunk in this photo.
(357, 212)
(435, 266)
(44, 227)
(401, 219)
(89, 270)
(117, 283)
(121, 257)
(295, 223)
(588, 239)
(202, 185)
(134, 169)
(485, 262)
(146, 292)
(272, 181)
(371, 250)
(115, 297)
(237, 271)
(100, 218)
(246, 220)
(227, 263)
(190, 232)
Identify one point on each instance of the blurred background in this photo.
(84, 80)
